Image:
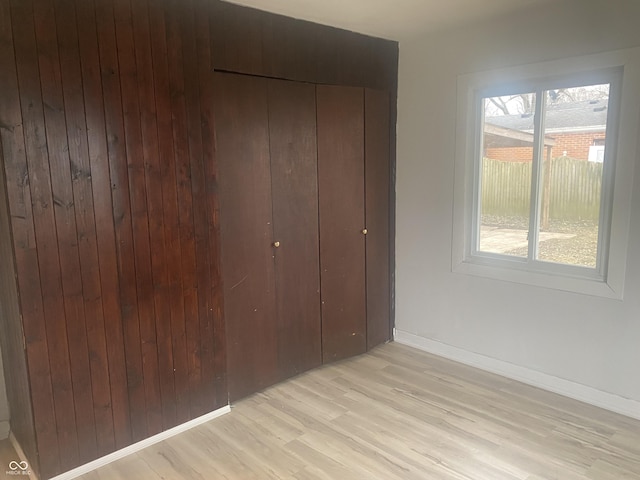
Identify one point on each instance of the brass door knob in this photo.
(276, 244)
(364, 231)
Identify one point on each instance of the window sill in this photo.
(482, 267)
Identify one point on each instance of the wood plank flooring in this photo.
(8, 455)
(397, 413)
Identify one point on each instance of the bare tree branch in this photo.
(500, 103)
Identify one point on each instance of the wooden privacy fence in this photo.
(571, 192)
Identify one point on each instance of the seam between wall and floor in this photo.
(567, 388)
(136, 447)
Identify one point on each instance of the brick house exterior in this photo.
(572, 130)
(574, 145)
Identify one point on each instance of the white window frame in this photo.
(620, 68)
(539, 87)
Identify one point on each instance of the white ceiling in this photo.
(392, 19)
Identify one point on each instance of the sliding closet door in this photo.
(376, 108)
(292, 137)
(242, 152)
(341, 199)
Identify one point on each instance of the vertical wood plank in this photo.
(80, 169)
(212, 328)
(16, 376)
(236, 41)
(138, 308)
(331, 68)
(201, 252)
(185, 288)
(30, 392)
(153, 186)
(112, 368)
(384, 58)
(66, 227)
(118, 173)
(341, 201)
(171, 299)
(242, 150)
(45, 229)
(289, 48)
(15, 380)
(376, 107)
(250, 41)
(294, 187)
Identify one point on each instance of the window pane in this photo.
(575, 123)
(505, 175)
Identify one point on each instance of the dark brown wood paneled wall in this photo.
(11, 333)
(264, 44)
(107, 135)
(108, 153)
(259, 43)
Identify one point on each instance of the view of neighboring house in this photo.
(575, 130)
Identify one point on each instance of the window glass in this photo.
(571, 185)
(551, 156)
(505, 174)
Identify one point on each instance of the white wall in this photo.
(586, 340)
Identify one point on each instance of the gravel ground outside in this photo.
(581, 249)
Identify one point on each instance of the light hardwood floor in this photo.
(7, 455)
(9, 469)
(397, 413)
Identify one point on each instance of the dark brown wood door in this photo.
(292, 137)
(242, 150)
(376, 108)
(341, 204)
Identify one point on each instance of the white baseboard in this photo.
(147, 442)
(567, 388)
(19, 451)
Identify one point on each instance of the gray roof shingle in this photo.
(588, 114)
